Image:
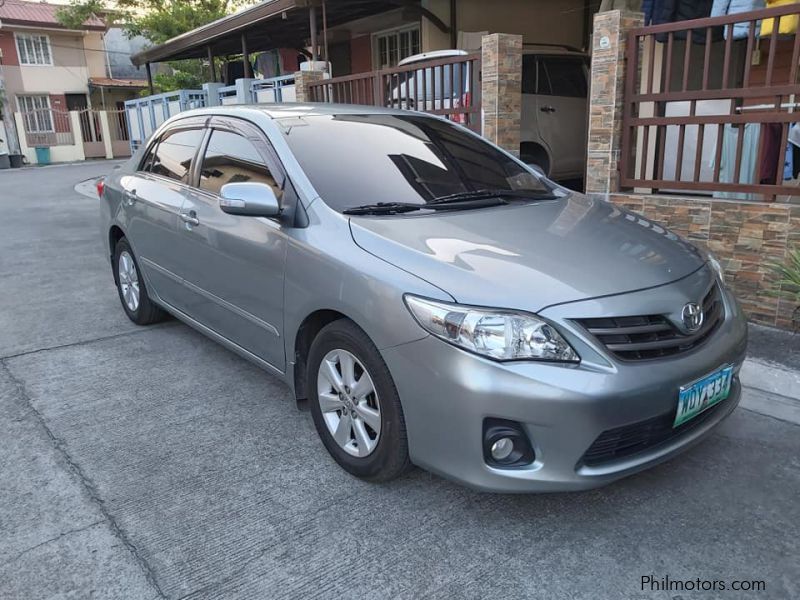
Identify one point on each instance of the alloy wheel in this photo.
(128, 280)
(349, 403)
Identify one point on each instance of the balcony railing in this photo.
(709, 105)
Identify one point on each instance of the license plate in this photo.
(703, 394)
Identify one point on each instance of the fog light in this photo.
(502, 449)
(506, 444)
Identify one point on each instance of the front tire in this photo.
(131, 287)
(355, 405)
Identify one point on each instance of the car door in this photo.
(152, 199)
(561, 111)
(233, 266)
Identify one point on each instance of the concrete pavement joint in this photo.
(53, 539)
(89, 487)
(92, 340)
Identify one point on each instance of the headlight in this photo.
(716, 267)
(495, 333)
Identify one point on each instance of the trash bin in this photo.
(43, 155)
(16, 160)
(5, 163)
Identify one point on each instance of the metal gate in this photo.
(45, 127)
(92, 134)
(118, 128)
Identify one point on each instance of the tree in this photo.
(157, 21)
(160, 20)
(74, 15)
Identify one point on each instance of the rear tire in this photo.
(131, 287)
(355, 405)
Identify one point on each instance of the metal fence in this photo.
(118, 131)
(227, 95)
(274, 89)
(45, 127)
(709, 104)
(91, 134)
(144, 115)
(449, 87)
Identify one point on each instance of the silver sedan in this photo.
(430, 298)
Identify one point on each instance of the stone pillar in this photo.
(501, 89)
(76, 152)
(243, 93)
(28, 153)
(301, 81)
(605, 98)
(212, 93)
(105, 130)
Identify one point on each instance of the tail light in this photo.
(101, 187)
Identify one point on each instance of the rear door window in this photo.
(565, 76)
(529, 66)
(174, 153)
(232, 158)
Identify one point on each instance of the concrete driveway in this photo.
(152, 463)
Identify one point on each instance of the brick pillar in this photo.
(501, 89)
(605, 98)
(301, 81)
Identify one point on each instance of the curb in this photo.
(87, 187)
(773, 390)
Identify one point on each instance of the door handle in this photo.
(130, 197)
(548, 109)
(190, 218)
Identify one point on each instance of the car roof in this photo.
(431, 55)
(293, 110)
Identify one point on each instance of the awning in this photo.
(107, 82)
(271, 24)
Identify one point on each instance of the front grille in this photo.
(628, 440)
(654, 336)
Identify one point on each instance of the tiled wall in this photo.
(745, 236)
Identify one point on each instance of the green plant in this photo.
(789, 276)
(788, 282)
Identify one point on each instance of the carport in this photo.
(292, 24)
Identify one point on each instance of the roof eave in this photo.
(216, 29)
(49, 26)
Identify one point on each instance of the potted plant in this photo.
(788, 283)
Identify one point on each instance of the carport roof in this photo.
(270, 24)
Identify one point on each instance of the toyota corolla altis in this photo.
(432, 299)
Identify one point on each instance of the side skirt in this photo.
(232, 346)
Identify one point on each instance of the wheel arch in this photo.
(306, 333)
(115, 234)
(536, 153)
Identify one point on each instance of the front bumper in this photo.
(447, 393)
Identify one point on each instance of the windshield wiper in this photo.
(383, 208)
(391, 208)
(486, 194)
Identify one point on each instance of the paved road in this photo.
(152, 463)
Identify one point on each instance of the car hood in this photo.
(531, 256)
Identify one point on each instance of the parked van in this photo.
(555, 85)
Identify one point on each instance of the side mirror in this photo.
(249, 200)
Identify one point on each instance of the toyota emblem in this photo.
(692, 315)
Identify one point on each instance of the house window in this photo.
(36, 113)
(34, 49)
(393, 46)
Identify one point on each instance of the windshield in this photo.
(353, 160)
